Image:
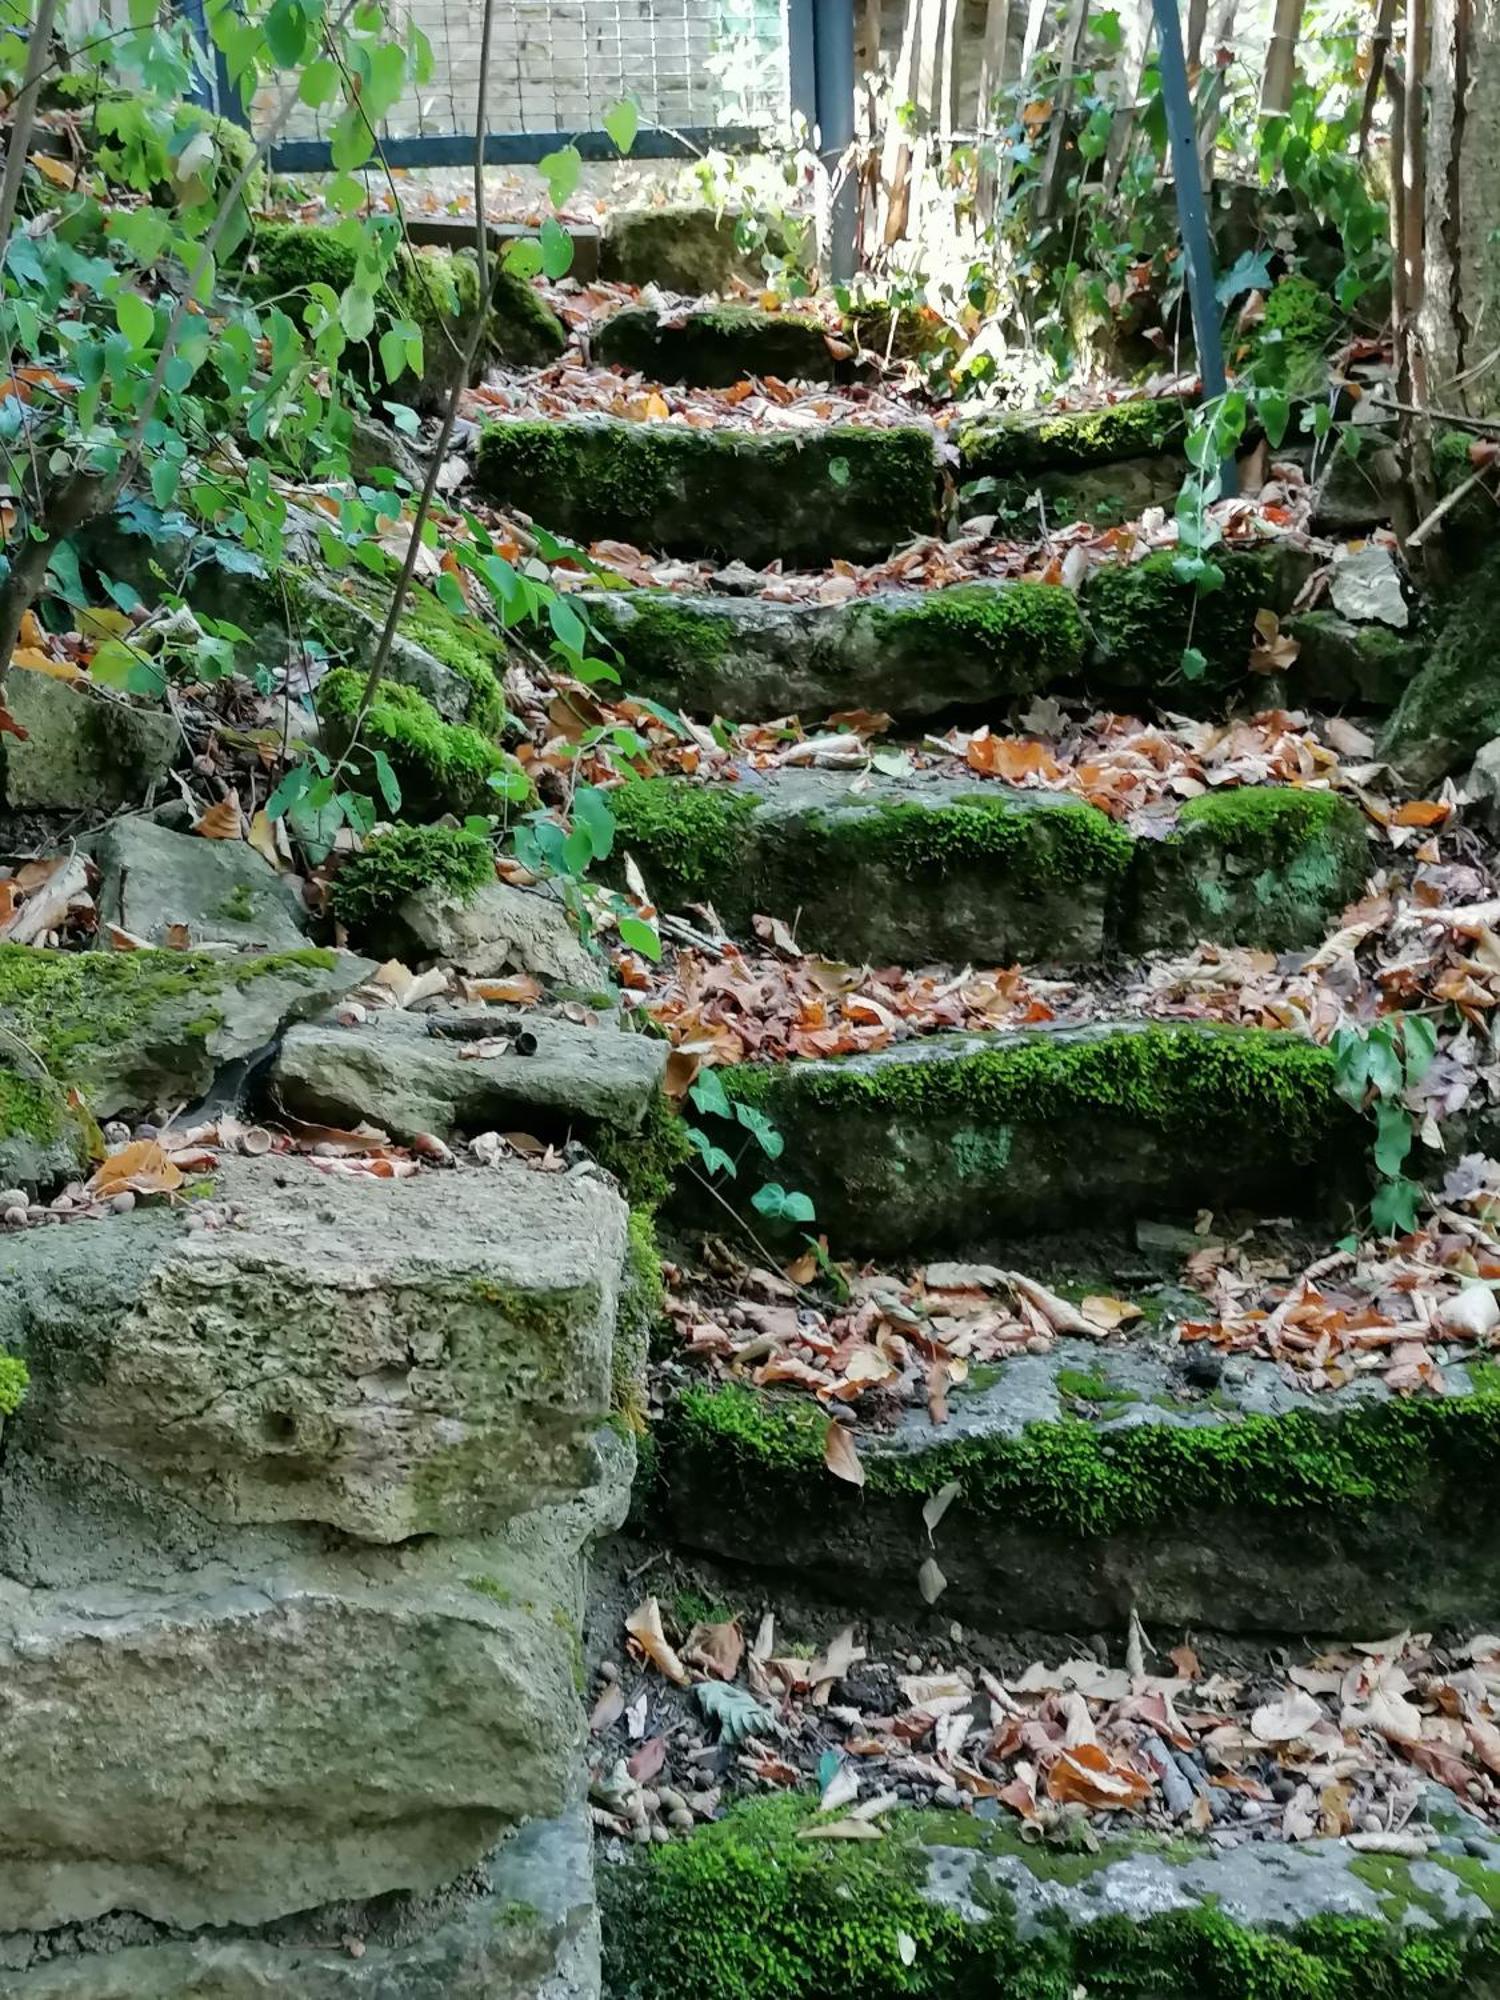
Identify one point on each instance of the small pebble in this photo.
(63, 1205)
(35, 1211)
(681, 1817)
(116, 1133)
(672, 1800)
(1371, 1822)
(650, 1799)
(148, 1131)
(122, 1203)
(196, 1222)
(660, 1833)
(15, 1217)
(950, 1796)
(640, 1833)
(608, 1670)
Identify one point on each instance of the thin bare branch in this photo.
(23, 116)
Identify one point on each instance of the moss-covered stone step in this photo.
(961, 1140)
(805, 496)
(715, 348)
(1451, 709)
(1103, 466)
(1091, 1480)
(921, 869)
(973, 646)
(947, 1907)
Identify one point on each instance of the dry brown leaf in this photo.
(524, 989)
(262, 837)
(1285, 1720)
(645, 1627)
(59, 172)
(607, 1709)
(1087, 1775)
(841, 1457)
(1106, 1313)
(718, 1649)
(142, 1167)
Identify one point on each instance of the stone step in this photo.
(958, 1141)
(946, 1906)
(803, 496)
(917, 654)
(1105, 466)
(922, 869)
(719, 346)
(1092, 1480)
(520, 1926)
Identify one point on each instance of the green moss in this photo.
(643, 1301)
(528, 333)
(1142, 615)
(29, 1108)
(1481, 1881)
(15, 1379)
(1451, 709)
(663, 639)
(1067, 845)
(467, 648)
(645, 1161)
(996, 448)
(1030, 633)
(1089, 1480)
(1171, 1080)
(692, 838)
(843, 490)
(441, 766)
(392, 866)
(1092, 1385)
(714, 348)
(762, 1915)
(691, 1608)
(492, 1588)
(1301, 312)
(68, 1006)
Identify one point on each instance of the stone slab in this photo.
(396, 1074)
(390, 1359)
(1093, 1482)
(82, 751)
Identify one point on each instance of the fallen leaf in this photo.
(645, 1627)
(1285, 1720)
(718, 1649)
(931, 1581)
(142, 1167)
(840, 1456)
(842, 1829)
(607, 1709)
(648, 1760)
(1107, 1313)
(1087, 1775)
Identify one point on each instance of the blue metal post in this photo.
(1192, 216)
(834, 51)
(802, 60)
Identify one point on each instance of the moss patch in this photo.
(646, 1161)
(1086, 1480)
(1030, 633)
(1141, 616)
(441, 766)
(394, 865)
(15, 1379)
(997, 448)
(716, 348)
(1452, 708)
(29, 1108)
(761, 1915)
(694, 838)
(643, 1301)
(467, 648)
(805, 497)
(528, 333)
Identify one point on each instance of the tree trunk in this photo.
(1281, 57)
(1459, 306)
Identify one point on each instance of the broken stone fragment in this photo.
(169, 887)
(81, 752)
(381, 1358)
(43, 1138)
(499, 928)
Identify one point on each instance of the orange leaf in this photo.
(220, 822)
(524, 990)
(9, 725)
(840, 1456)
(35, 661)
(142, 1167)
(1087, 1775)
(1420, 812)
(644, 1626)
(1011, 757)
(57, 171)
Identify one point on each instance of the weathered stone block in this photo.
(679, 247)
(43, 1137)
(804, 495)
(82, 751)
(138, 1031)
(963, 1140)
(237, 1751)
(218, 891)
(421, 1357)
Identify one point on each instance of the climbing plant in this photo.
(1376, 1069)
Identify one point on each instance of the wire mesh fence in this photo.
(702, 72)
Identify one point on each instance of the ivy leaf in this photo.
(771, 1142)
(117, 665)
(1419, 1038)
(622, 121)
(135, 318)
(735, 1710)
(779, 1204)
(641, 937)
(591, 812)
(557, 249)
(1393, 1137)
(523, 258)
(386, 779)
(1194, 664)
(357, 312)
(393, 352)
(713, 1157)
(1275, 408)
(709, 1095)
(1250, 272)
(1394, 1209)
(562, 169)
(320, 82)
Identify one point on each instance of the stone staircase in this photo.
(1094, 1486)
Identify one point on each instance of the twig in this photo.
(460, 383)
(23, 117)
(1445, 507)
(749, 1233)
(1379, 49)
